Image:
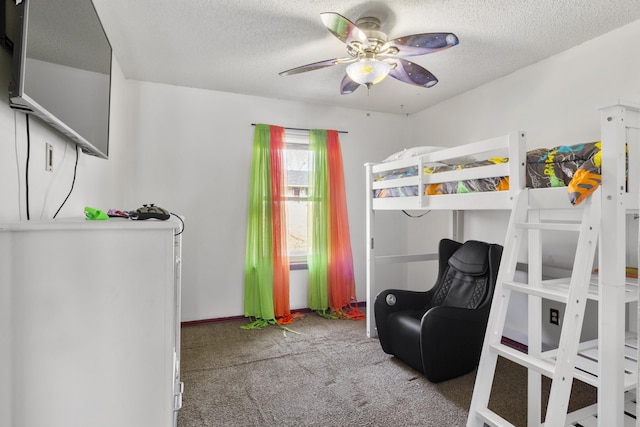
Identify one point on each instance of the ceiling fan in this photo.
(372, 56)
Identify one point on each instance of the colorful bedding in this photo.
(576, 167)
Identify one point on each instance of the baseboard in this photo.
(209, 321)
(230, 318)
(515, 344)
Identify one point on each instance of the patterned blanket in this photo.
(576, 167)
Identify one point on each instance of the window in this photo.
(297, 165)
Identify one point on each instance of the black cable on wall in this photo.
(27, 163)
(73, 183)
(26, 169)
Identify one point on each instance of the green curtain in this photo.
(258, 272)
(266, 295)
(331, 278)
(318, 238)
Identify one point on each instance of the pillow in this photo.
(462, 160)
(413, 152)
(426, 149)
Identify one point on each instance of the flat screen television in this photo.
(62, 69)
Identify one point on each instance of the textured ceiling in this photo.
(241, 46)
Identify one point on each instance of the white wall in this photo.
(193, 155)
(99, 183)
(555, 101)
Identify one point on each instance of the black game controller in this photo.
(150, 212)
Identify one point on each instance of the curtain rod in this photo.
(304, 130)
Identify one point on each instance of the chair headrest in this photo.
(472, 258)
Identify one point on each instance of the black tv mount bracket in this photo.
(4, 40)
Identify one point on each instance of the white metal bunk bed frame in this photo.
(619, 124)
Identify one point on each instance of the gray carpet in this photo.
(330, 374)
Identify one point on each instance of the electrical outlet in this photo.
(48, 157)
(554, 316)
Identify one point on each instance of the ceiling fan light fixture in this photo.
(372, 56)
(368, 71)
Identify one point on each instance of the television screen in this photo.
(62, 70)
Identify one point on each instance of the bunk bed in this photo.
(391, 175)
(609, 363)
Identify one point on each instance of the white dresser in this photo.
(90, 323)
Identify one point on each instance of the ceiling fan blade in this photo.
(409, 72)
(314, 66)
(420, 44)
(348, 86)
(343, 29)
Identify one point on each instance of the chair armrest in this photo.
(403, 300)
(442, 315)
(451, 341)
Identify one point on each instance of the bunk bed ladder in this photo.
(525, 226)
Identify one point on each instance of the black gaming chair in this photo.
(440, 332)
